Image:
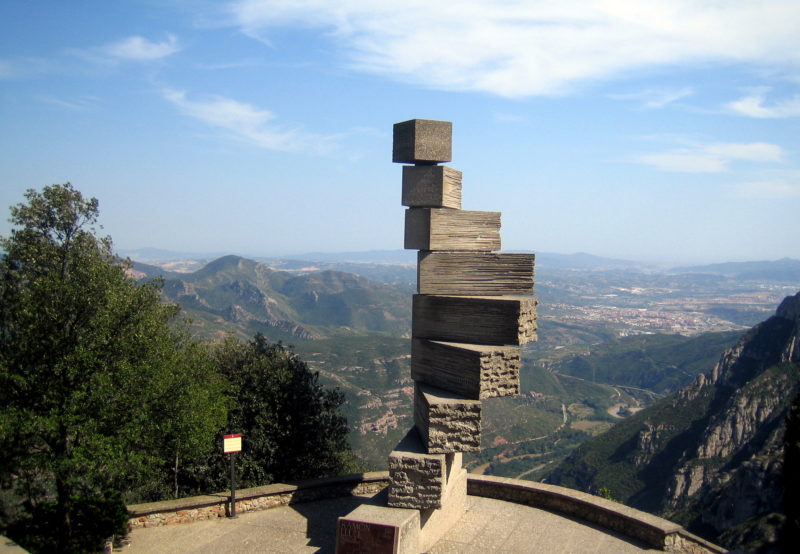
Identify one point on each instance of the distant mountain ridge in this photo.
(785, 269)
(235, 292)
(709, 456)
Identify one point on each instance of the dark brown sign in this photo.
(365, 537)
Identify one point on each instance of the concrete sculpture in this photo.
(473, 310)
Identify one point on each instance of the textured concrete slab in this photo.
(446, 422)
(475, 371)
(448, 229)
(417, 479)
(431, 186)
(422, 141)
(474, 273)
(495, 320)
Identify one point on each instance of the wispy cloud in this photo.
(79, 104)
(654, 99)
(712, 158)
(139, 49)
(238, 64)
(248, 123)
(755, 105)
(768, 190)
(24, 68)
(130, 49)
(506, 117)
(519, 48)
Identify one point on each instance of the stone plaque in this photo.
(366, 537)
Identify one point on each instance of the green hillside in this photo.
(234, 294)
(660, 363)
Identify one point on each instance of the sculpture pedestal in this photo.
(378, 530)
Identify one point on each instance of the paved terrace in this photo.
(503, 515)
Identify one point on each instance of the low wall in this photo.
(654, 531)
(196, 508)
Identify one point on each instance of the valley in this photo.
(612, 340)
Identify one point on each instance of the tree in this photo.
(95, 386)
(293, 427)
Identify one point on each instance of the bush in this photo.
(94, 520)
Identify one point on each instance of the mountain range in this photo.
(785, 269)
(709, 456)
(244, 296)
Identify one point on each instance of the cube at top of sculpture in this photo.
(422, 141)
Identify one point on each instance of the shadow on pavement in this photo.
(322, 517)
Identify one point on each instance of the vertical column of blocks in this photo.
(472, 312)
(446, 424)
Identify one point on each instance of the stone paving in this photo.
(488, 525)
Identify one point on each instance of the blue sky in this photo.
(661, 130)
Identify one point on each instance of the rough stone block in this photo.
(431, 186)
(469, 370)
(446, 422)
(474, 319)
(378, 529)
(474, 273)
(416, 479)
(422, 141)
(447, 229)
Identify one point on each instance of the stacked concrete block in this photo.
(474, 371)
(446, 421)
(473, 310)
(474, 319)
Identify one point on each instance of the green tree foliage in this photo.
(293, 427)
(97, 391)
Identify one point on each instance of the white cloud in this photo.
(768, 190)
(753, 152)
(79, 104)
(506, 117)
(654, 99)
(754, 105)
(24, 68)
(140, 49)
(712, 158)
(520, 48)
(685, 162)
(248, 123)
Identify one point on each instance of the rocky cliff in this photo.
(711, 455)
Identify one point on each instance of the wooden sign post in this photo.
(231, 444)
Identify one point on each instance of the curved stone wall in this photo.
(654, 531)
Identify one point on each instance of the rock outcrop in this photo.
(711, 455)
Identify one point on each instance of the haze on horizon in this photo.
(660, 130)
